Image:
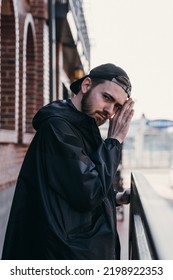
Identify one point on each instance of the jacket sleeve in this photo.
(78, 179)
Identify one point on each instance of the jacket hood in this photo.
(66, 110)
(58, 108)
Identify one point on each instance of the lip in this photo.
(103, 117)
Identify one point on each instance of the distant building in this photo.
(149, 143)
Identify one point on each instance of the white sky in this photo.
(137, 35)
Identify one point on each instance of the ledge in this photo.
(8, 136)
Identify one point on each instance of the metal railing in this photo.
(150, 224)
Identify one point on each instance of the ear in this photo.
(86, 84)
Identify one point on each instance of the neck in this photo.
(76, 100)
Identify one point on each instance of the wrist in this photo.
(123, 197)
(119, 198)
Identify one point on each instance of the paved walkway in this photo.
(160, 179)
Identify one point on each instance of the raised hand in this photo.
(119, 124)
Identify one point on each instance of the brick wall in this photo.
(8, 70)
(22, 80)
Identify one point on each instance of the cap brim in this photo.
(75, 86)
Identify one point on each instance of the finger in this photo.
(115, 116)
(126, 110)
(129, 103)
(129, 118)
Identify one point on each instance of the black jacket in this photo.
(64, 204)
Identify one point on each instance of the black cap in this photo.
(108, 72)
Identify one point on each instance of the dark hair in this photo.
(96, 82)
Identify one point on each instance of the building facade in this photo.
(44, 46)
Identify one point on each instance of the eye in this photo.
(106, 97)
(119, 106)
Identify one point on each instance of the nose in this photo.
(109, 109)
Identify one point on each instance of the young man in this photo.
(64, 205)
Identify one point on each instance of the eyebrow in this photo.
(118, 105)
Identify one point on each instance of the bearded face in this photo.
(90, 108)
(103, 101)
